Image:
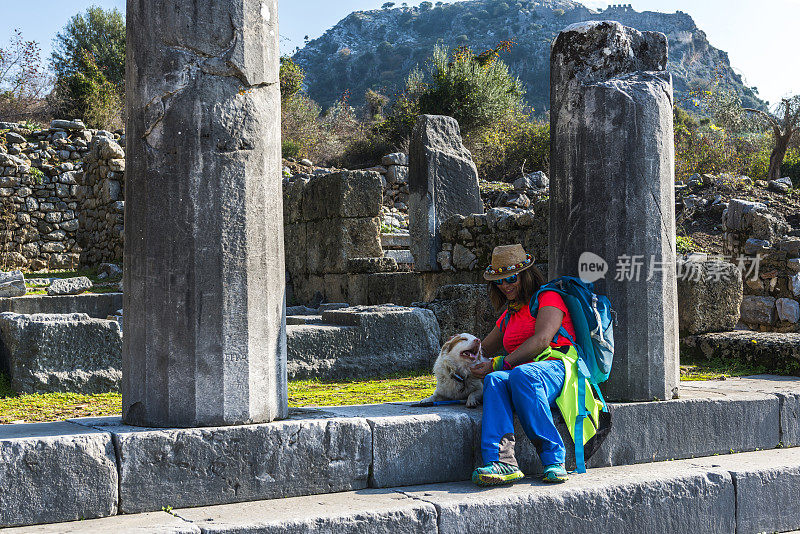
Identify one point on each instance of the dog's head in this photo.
(463, 348)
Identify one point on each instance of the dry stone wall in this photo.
(41, 173)
(757, 241)
(102, 203)
(467, 242)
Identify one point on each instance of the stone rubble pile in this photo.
(394, 181)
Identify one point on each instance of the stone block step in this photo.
(292, 320)
(362, 342)
(395, 241)
(98, 305)
(334, 449)
(744, 493)
(401, 256)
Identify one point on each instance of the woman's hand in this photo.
(481, 370)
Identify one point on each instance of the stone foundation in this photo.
(334, 449)
(362, 342)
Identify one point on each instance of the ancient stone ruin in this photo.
(205, 339)
(207, 443)
(443, 181)
(611, 192)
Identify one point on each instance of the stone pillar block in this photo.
(611, 191)
(443, 181)
(205, 340)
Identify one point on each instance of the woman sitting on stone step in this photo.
(530, 378)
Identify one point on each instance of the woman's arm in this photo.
(492, 343)
(547, 324)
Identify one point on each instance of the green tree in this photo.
(785, 125)
(89, 65)
(86, 93)
(291, 77)
(97, 31)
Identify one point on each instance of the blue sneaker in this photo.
(555, 473)
(496, 473)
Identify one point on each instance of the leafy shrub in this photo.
(685, 245)
(88, 94)
(791, 166)
(703, 147)
(291, 78)
(291, 149)
(476, 89)
(516, 146)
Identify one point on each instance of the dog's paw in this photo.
(473, 403)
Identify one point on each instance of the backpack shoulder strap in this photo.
(534, 307)
(505, 320)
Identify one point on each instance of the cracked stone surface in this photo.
(611, 192)
(204, 280)
(55, 472)
(199, 466)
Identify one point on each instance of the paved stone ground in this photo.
(748, 492)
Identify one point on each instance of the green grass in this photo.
(718, 369)
(487, 187)
(91, 274)
(36, 408)
(16, 408)
(105, 285)
(400, 387)
(302, 393)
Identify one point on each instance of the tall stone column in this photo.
(611, 193)
(204, 331)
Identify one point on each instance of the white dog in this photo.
(453, 379)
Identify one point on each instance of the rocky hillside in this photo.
(376, 49)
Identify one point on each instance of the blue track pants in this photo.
(530, 390)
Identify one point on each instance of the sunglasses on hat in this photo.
(509, 280)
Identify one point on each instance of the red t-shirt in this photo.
(522, 325)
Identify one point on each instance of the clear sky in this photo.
(759, 36)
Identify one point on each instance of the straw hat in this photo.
(507, 260)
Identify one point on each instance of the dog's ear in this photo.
(450, 343)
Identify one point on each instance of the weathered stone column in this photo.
(442, 181)
(204, 329)
(611, 192)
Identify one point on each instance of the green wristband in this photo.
(498, 362)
